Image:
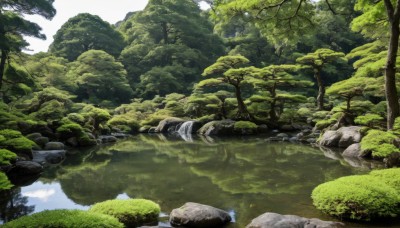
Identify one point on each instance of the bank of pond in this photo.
(238, 181)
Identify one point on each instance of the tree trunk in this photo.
(165, 32)
(3, 60)
(392, 98)
(272, 113)
(242, 113)
(321, 90)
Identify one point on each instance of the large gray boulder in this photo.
(49, 156)
(108, 138)
(170, 124)
(26, 168)
(343, 137)
(54, 146)
(221, 127)
(354, 150)
(273, 220)
(198, 215)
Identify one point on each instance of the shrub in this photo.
(6, 157)
(5, 184)
(10, 134)
(357, 197)
(70, 130)
(390, 176)
(239, 125)
(131, 212)
(368, 119)
(379, 143)
(65, 219)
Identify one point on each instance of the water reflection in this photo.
(245, 176)
(13, 205)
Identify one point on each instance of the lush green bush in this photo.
(70, 130)
(363, 197)
(4, 182)
(125, 122)
(131, 212)
(369, 119)
(379, 143)
(65, 219)
(390, 176)
(240, 125)
(6, 157)
(20, 144)
(10, 134)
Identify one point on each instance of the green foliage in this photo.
(10, 134)
(127, 122)
(5, 184)
(363, 197)
(20, 144)
(6, 157)
(98, 77)
(86, 32)
(65, 219)
(379, 143)
(131, 212)
(50, 111)
(304, 112)
(245, 125)
(369, 119)
(70, 130)
(390, 177)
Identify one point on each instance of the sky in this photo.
(111, 11)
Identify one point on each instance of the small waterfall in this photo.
(185, 131)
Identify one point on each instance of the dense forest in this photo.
(287, 65)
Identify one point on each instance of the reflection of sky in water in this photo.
(48, 197)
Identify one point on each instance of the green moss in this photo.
(20, 144)
(368, 119)
(324, 123)
(127, 122)
(70, 130)
(65, 219)
(304, 112)
(239, 125)
(379, 143)
(357, 197)
(85, 140)
(390, 176)
(6, 157)
(131, 212)
(5, 184)
(10, 134)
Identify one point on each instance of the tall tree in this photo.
(381, 19)
(317, 61)
(13, 26)
(86, 32)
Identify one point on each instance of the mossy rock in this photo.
(21, 145)
(65, 219)
(391, 177)
(245, 128)
(379, 143)
(85, 140)
(70, 130)
(131, 212)
(10, 134)
(364, 197)
(5, 184)
(6, 157)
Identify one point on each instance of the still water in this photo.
(245, 176)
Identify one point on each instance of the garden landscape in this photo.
(243, 113)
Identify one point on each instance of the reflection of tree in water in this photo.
(13, 205)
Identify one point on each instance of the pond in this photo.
(246, 176)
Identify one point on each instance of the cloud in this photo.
(42, 194)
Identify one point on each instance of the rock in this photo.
(273, 220)
(33, 136)
(41, 141)
(282, 135)
(221, 127)
(49, 156)
(169, 125)
(263, 128)
(144, 129)
(26, 168)
(393, 160)
(354, 150)
(287, 127)
(343, 137)
(198, 215)
(107, 138)
(119, 135)
(54, 146)
(152, 130)
(311, 140)
(73, 141)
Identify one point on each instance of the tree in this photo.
(13, 26)
(274, 78)
(98, 77)
(381, 19)
(230, 70)
(86, 32)
(169, 35)
(317, 61)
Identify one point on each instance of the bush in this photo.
(65, 219)
(131, 212)
(369, 120)
(5, 184)
(6, 157)
(70, 130)
(239, 125)
(390, 176)
(10, 134)
(363, 197)
(379, 143)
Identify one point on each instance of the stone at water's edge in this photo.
(169, 124)
(222, 127)
(273, 220)
(342, 138)
(354, 150)
(198, 215)
(54, 146)
(49, 156)
(26, 168)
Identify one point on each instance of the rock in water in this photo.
(198, 215)
(273, 220)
